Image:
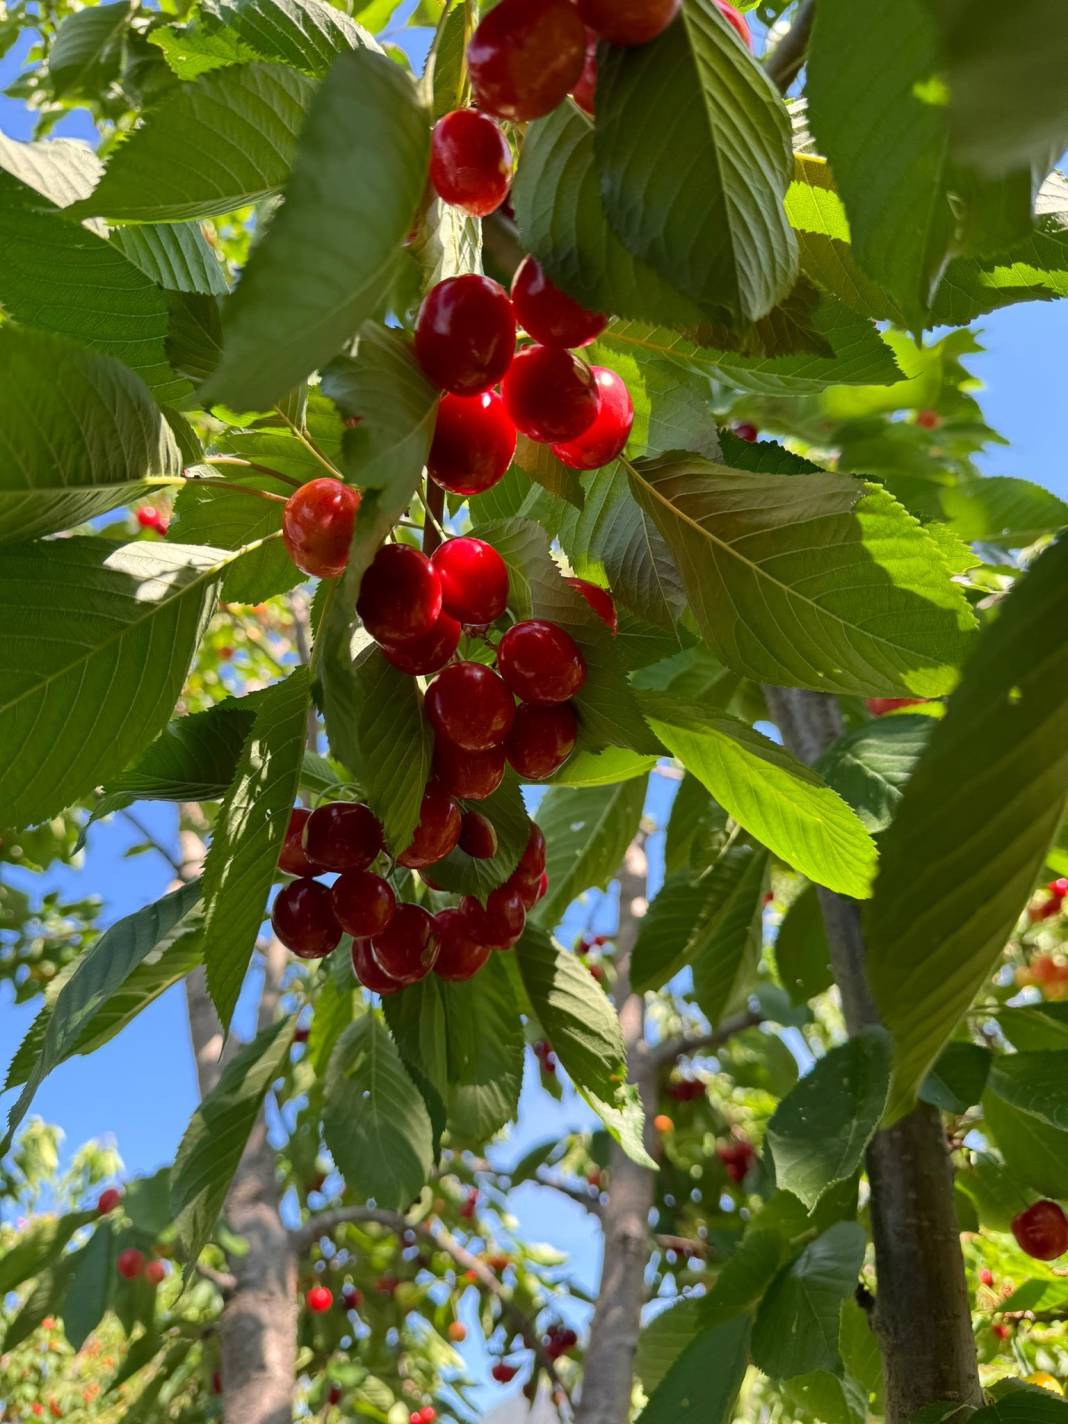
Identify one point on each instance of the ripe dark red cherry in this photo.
(419, 657)
(437, 832)
(550, 395)
(363, 903)
(460, 956)
(526, 57)
(1042, 1231)
(470, 705)
(407, 947)
(540, 662)
(629, 22)
(470, 162)
(504, 1374)
(465, 333)
(470, 775)
(319, 1298)
(500, 923)
(532, 862)
(294, 859)
(600, 600)
(303, 919)
(739, 22)
(746, 431)
(605, 438)
(585, 91)
(541, 740)
(367, 971)
(108, 1200)
(549, 314)
(342, 835)
(400, 596)
(130, 1263)
(317, 524)
(473, 445)
(474, 580)
(478, 837)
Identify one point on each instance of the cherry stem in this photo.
(433, 498)
(237, 489)
(252, 465)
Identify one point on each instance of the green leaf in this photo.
(587, 832)
(797, 1325)
(957, 1080)
(176, 256)
(305, 34)
(1036, 1083)
(870, 765)
(1023, 1405)
(147, 1202)
(39, 1245)
(87, 50)
(505, 810)
(395, 403)
(91, 1280)
(824, 1396)
(242, 124)
(248, 836)
(729, 935)
(999, 510)
(768, 792)
(357, 178)
(374, 1120)
(1034, 1152)
(802, 957)
(43, 1299)
(974, 825)
(1035, 1026)
(882, 616)
(218, 1133)
(60, 169)
(204, 513)
(485, 1055)
(703, 1383)
(708, 215)
(98, 436)
(819, 1132)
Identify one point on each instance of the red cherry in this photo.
(342, 835)
(216, 1382)
(470, 705)
(419, 657)
(147, 517)
(925, 419)
(504, 1374)
(532, 861)
(334, 1394)
(1059, 887)
(540, 662)
(470, 775)
(465, 333)
(541, 740)
(461, 956)
(500, 923)
(478, 838)
(363, 903)
(629, 22)
(603, 441)
(879, 706)
(585, 91)
(408, 946)
(746, 432)
(1002, 1332)
(470, 162)
(550, 394)
(155, 1271)
(427, 1415)
(474, 580)
(437, 832)
(547, 313)
(473, 445)
(130, 1263)
(319, 1298)
(352, 1297)
(731, 15)
(526, 889)
(317, 524)
(301, 1034)
(303, 919)
(986, 1277)
(108, 1200)
(525, 57)
(400, 596)
(294, 859)
(600, 600)
(1042, 1231)
(367, 971)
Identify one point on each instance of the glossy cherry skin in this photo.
(130, 1263)
(303, 919)
(500, 923)
(525, 57)
(541, 740)
(342, 835)
(465, 334)
(549, 314)
(550, 395)
(629, 22)
(367, 972)
(1042, 1231)
(738, 21)
(400, 596)
(478, 836)
(473, 445)
(470, 162)
(319, 1298)
(108, 1200)
(419, 657)
(532, 862)
(294, 859)
(470, 705)
(317, 524)
(460, 956)
(474, 580)
(363, 903)
(585, 91)
(747, 432)
(603, 440)
(407, 948)
(470, 775)
(600, 600)
(540, 662)
(437, 832)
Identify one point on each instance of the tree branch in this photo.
(223, 1279)
(787, 59)
(687, 1043)
(577, 1194)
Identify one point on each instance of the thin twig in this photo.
(585, 1198)
(223, 1279)
(309, 444)
(252, 465)
(143, 831)
(787, 59)
(235, 488)
(688, 1043)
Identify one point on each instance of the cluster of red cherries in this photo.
(130, 1263)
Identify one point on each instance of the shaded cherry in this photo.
(525, 57)
(367, 971)
(478, 836)
(363, 903)
(108, 1200)
(547, 313)
(879, 706)
(532, 861)
(746, 432)
(927, 419)
(542, 888)
(500, 922)
(130, 1263)
(471, 706)
(437, 832)
(470, 775)
(585, 91)
(155, 1271)
(400, 596)
(473, 445)
(460, 956)
(737, 20)
(319, 1298)
(419, 657)
(474, 580)
(465, 333)
(294, 859)
(527, 891)
(317, 524)
(540, 662)
(408, 946)
(600, 600)
(504, 1373)
(550, 395)
(602, 441)
(342, 835)
(334, 1394)
(303, 919)
(628, 22)
(1042, 1231)
(470, 162)
(541, 740)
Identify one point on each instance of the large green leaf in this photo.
(703, 1382)
(957, 1080)
(177, 256)
(870, 765)
(880, 616)
(206, 512)
(91, 1281)
(1036, 1083)
(39, 1245)
(94, 665)
(1034, 1152)
(1023, 1404)
(60, 169)
(1000, 510)
(485, 1052)
(587, 831)
(802, 956)
(306, 34)
(728, 935)
(248, 836)
(86, 53)
(974, 825)
(357, 178)
(797, 1325)
(1036, 1026)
